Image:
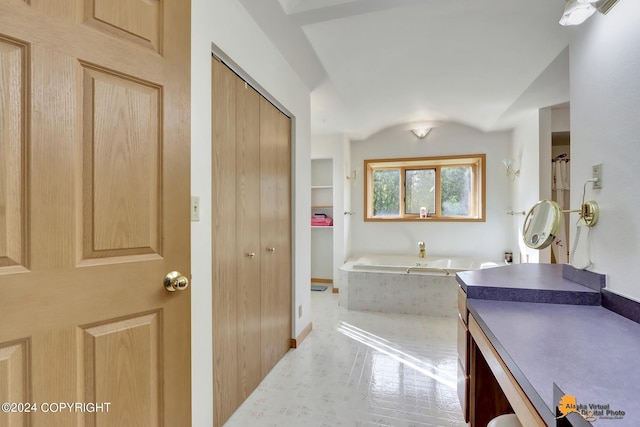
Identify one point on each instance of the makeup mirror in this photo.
(541, 224)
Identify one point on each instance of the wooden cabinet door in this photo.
(94, 211)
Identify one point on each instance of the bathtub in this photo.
(417, 265)
(404, 284)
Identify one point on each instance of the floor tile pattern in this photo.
(361, 369)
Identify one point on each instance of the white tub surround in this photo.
(404, 284)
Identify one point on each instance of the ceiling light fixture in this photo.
(578, 11)
(421, 132)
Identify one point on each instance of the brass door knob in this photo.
(251, 254)
(271, 249)
(175, 281)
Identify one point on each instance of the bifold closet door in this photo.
(275, 207)
(251, 223)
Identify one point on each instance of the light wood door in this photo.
(94, 211)
(275, 208)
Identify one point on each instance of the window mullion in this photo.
(438, 192)
(403, 194)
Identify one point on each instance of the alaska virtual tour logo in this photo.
(590, 412)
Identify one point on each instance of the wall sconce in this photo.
(353, 177)
(512, 173)
(421, 132)
(578, 11)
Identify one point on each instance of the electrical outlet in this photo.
(597, 174)
(195, 208)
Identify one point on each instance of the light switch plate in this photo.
(195, 208)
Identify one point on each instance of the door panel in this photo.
(122, 148)
(14, 374)
(135, 20)
(12, 119)
(94, 211)
(284, 283)
(268, 212)
(275, 227)
(225, 244)
(134, 345)
(248, 229)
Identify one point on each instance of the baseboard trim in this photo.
(295, 342)
(318, 280)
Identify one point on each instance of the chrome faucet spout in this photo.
(422, 249)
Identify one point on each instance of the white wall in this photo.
(487, 239)
(226, 23)
(354, 177)
(561, 119)
(605, 106)
(544, 154)
(532, 153)
(526, 188)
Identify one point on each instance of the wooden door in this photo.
(94, 211)
(275, 208)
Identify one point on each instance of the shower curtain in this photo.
(561, 189)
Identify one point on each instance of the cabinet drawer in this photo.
(462, 305)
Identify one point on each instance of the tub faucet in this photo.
(423, 249)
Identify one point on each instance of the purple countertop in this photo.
(588, 351)
(542, 283)
(548, 330)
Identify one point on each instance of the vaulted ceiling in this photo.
(371, 64)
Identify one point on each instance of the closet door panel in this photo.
(275, 230)
(269, 231)
(248, 229)
(225, 259)
(284, 256)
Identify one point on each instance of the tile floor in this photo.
(361, 369)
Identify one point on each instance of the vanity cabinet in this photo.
(486, 388)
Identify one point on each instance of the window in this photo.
(447, 188)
